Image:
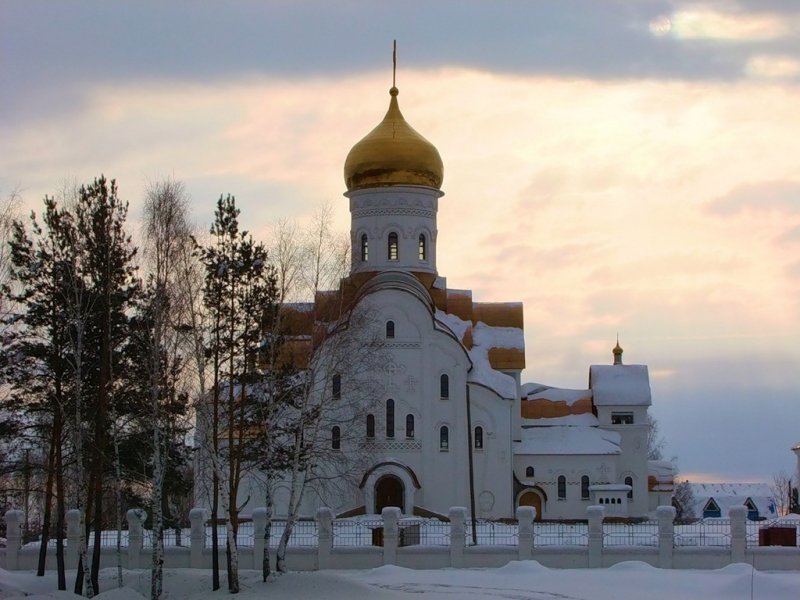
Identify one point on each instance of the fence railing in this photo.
(560, 534)
(522, 539)
(630, 534)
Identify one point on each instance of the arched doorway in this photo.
(533, 499)
(389, 492)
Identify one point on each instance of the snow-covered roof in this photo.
(534, 391)
(581, 420)
(662, 470)
(620, 385)
(567, 440)
(484, 339)
(727, 495)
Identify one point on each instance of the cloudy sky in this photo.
(626, 166)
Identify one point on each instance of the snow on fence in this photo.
(371, 540)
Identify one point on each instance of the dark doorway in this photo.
(388, 492)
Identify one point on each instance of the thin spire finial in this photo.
(394, 63)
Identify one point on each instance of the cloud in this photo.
(773, 66)
(782, 196)
(706, 23)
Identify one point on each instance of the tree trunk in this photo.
(48, 502)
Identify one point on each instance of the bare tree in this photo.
(781, 489)
(684, 500)
(655, 442)
(166, 237)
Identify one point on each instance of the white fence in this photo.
(371, 541)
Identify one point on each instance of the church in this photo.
(450, 422)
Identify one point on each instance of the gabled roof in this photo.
(620, 385)
(726, 495)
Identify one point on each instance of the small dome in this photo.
(393, 154)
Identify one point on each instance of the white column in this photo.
(325, 537)
(197, 518)
(666, 535)
(738, 517)
(259, 523)
(391, 534)
(75, 534)
(525, 517)
(595, 514)
(14, 520)
(458, 516)
(136, 517)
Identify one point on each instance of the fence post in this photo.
(738, 517)
(74, 536)
(324, 537)
(259, 523)
(666, 535)
(525, 517)
(595, 514)
(136, 517)
(458, 516)
(14, 520)
(197, 518)
(391, 534)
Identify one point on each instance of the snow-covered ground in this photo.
(516, 581)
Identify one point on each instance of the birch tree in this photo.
(166, 237)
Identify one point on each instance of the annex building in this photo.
(451, 423)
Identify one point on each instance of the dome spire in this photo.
(393, 153)
(617, 352)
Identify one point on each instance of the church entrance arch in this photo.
(389, 492)
(389, 483)
(531, 498)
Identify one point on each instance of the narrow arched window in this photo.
(409, 426)
(444, 438)
(364, 248)
(393, 246)
(529, 472)
(444, 386)
(336, 438)
(478, 437)
(389, 329)
(390, 418)
(629, 481)
(370, 426)
(585, 487)
(336, 387)
(423, 247)
(562, 487)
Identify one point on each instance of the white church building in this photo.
(454, 424)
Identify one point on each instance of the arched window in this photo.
(370, 426)
(336, 387)
(389, 329)
(479, 437)
(629, 481)
(562, 487)
(409, 426)
(364, 248)
(585, 487)
(393, 246)
(423, 247)
(390, 418)
(444, 438)
(529, 472)
(336, 438)
(444, 386)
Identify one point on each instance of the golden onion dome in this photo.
(393, 154)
